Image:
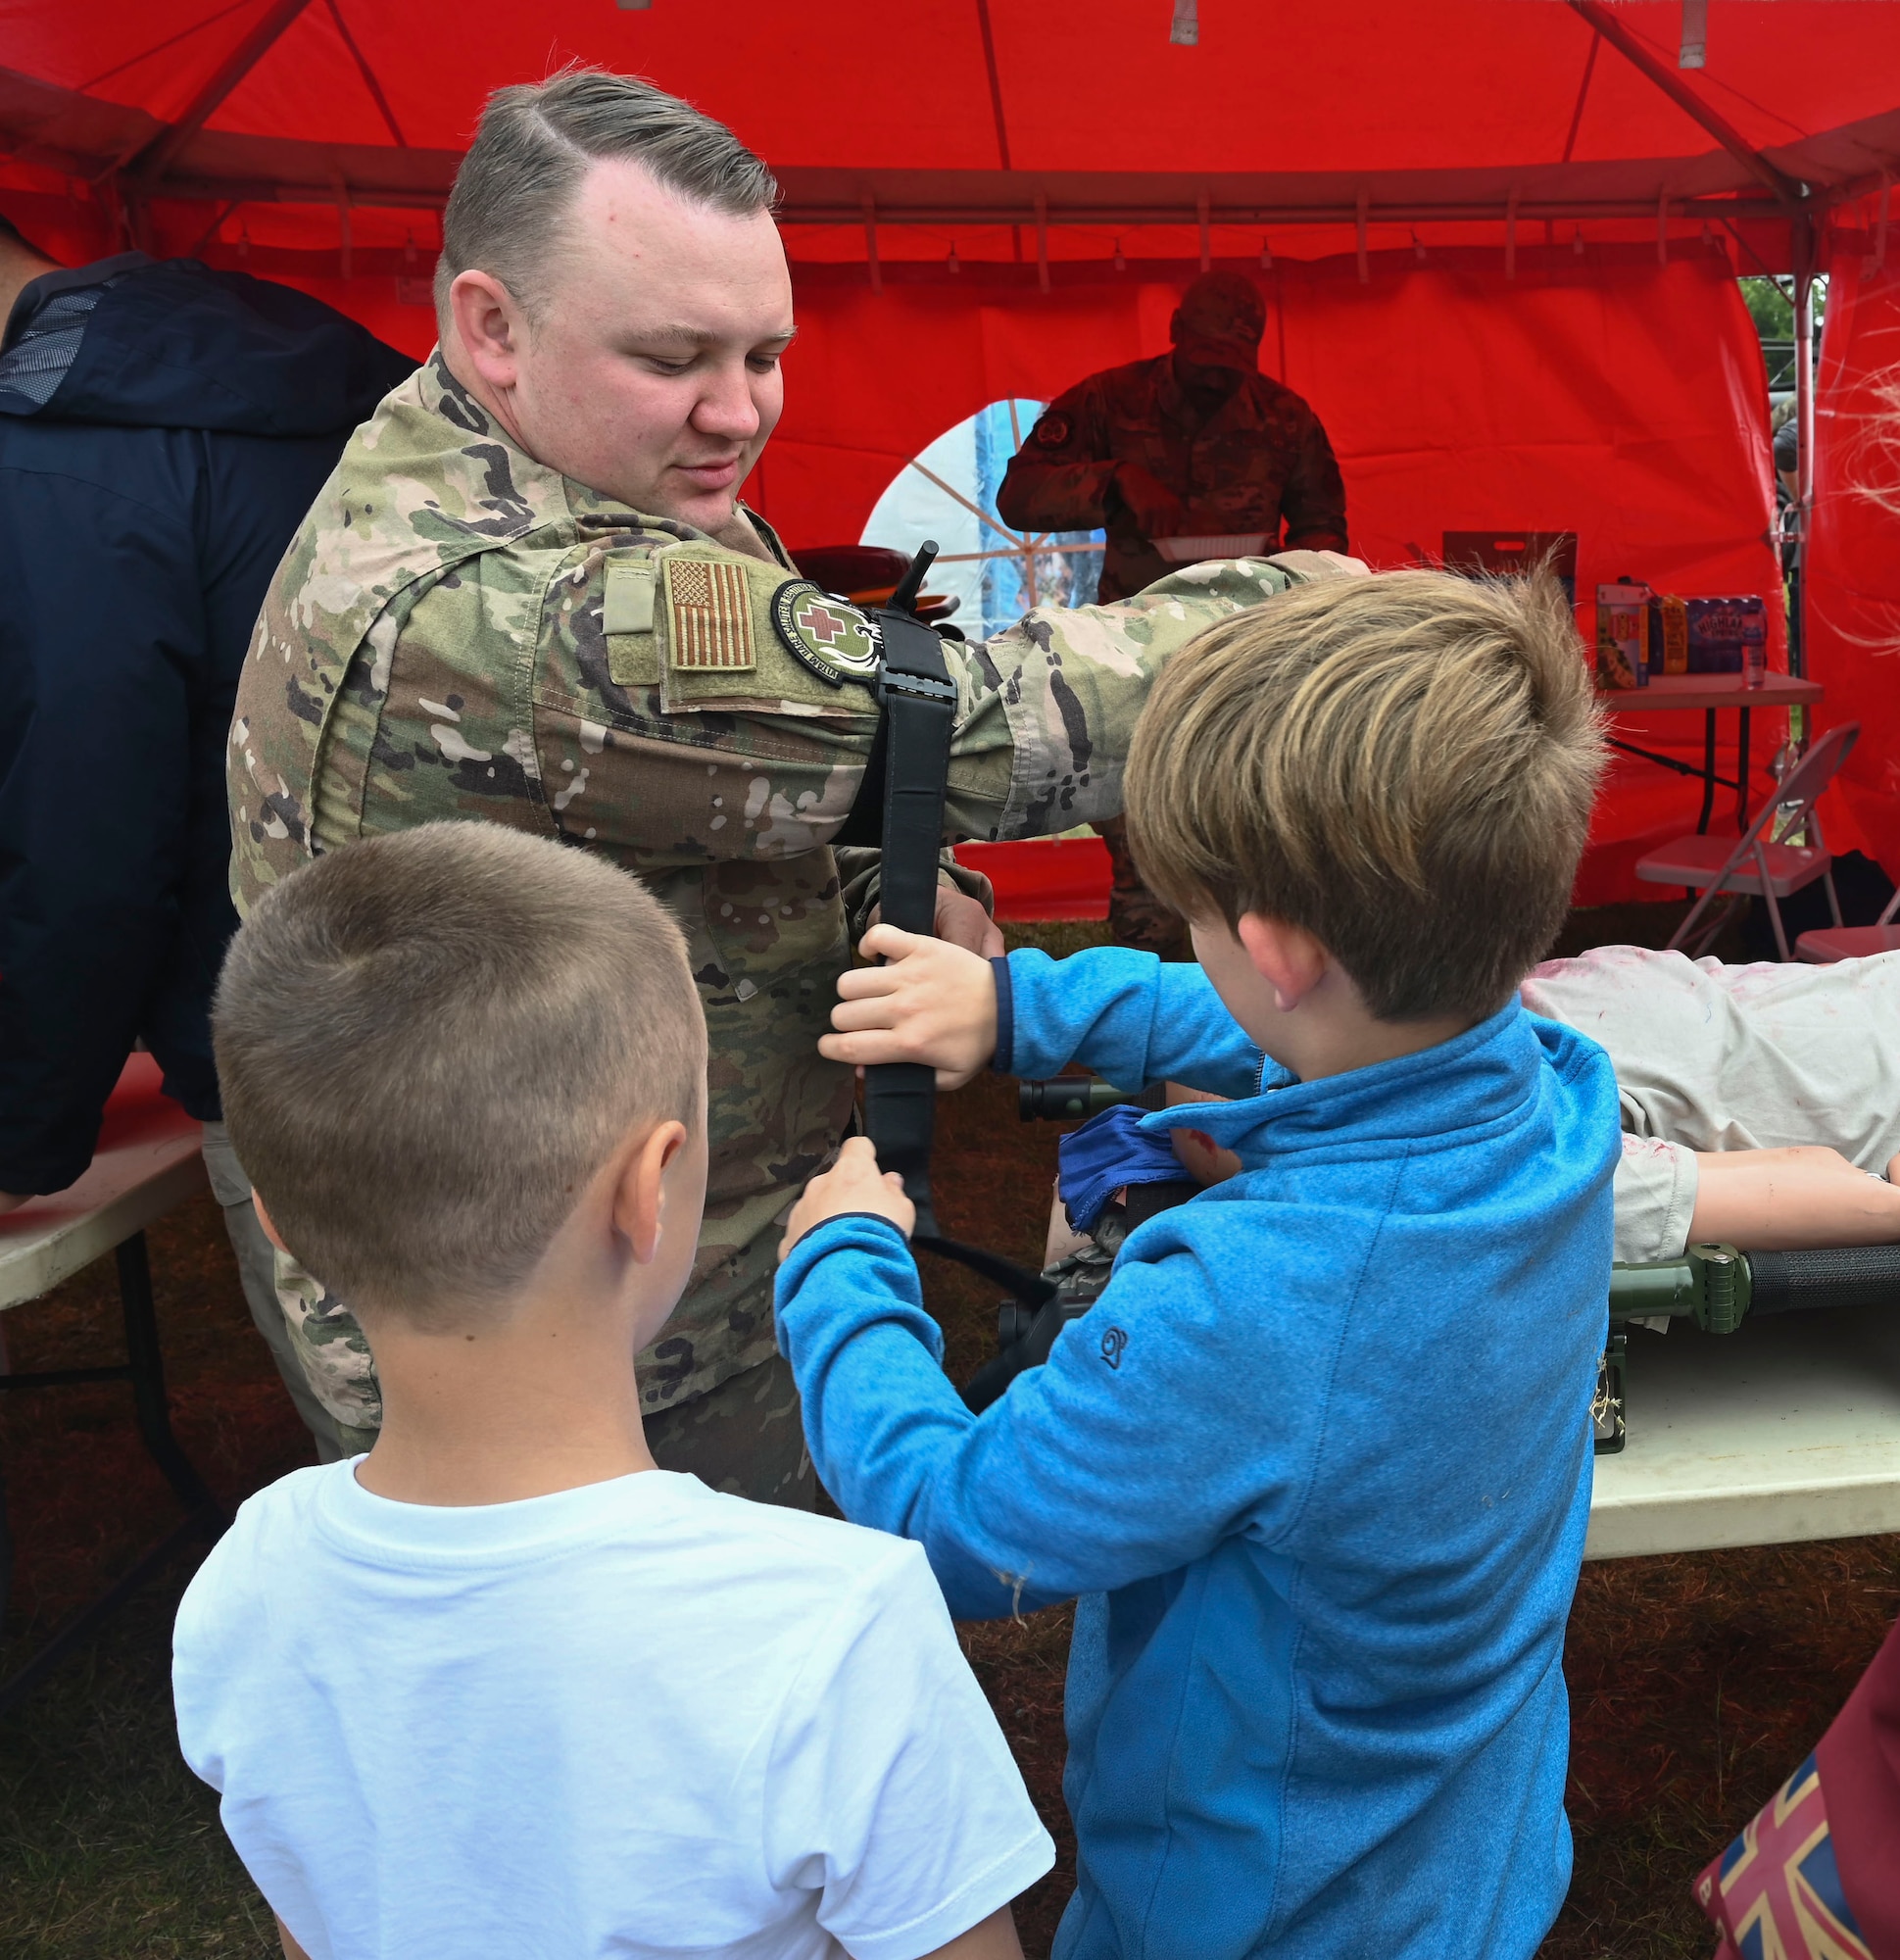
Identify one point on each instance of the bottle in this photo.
(1754, 643)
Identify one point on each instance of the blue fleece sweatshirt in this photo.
(1317, 1464)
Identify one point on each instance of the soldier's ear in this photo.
(489, 323)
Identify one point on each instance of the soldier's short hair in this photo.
(535, 143)
(1403, 766)
(428, 1043)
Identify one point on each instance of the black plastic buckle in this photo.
(917, 687)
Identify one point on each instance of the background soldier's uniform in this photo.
(1262, 457)
(459, 631)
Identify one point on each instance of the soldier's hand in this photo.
(853, 1183)
(932, 1003)
(1155, 509)
(962, 921)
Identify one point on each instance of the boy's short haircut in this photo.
(1402, 765)
(429, 1043)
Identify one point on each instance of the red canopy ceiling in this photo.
(953, 118)
(1559, 379)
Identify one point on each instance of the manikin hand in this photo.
(1155, 509)
(932, 1003)
(963, 922)
(853, 1183)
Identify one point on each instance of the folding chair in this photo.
(1827, 944)
(1759, 863)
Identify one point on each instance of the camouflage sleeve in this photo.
(1063, 478)
(1048, 707)
(1313, 503)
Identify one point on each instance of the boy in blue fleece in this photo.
(1316, 1465)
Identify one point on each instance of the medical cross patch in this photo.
(836, 641)
(709, 617)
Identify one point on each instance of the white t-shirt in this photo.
(639, 1718)
(1715, 1057)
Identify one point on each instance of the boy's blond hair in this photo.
(1402, 765)
(429, 1043)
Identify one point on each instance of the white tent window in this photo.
(948, 491)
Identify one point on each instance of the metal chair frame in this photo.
(1792, 809)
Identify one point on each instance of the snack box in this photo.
(1721, 629)
(1621, 635)
(1669, 635)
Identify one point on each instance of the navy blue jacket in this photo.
(163, 430)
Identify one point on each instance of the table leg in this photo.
(205, 1517)
(147, 1367)
(1707, 774)
(1741, 773)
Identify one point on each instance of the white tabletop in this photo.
(146, 1162)
(1787, 1428)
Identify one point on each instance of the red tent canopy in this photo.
(1497, 237)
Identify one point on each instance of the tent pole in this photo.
(1803, 245)
(1686, 100)
(158, 155)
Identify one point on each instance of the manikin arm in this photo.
(1790, 1200)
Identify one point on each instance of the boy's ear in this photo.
(638, 1195)
(263, 1219)
(1287, 957)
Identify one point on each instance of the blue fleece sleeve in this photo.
(1128, 1016)
(1129, 1455)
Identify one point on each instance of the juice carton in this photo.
(1721, 629)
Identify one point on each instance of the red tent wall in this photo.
(1854, 577)
(1603, 394)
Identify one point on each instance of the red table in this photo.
(1710, 693)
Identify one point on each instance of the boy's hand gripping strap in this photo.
(919, 702)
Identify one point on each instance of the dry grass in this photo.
(1697, 1682)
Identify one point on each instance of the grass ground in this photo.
(1696, 1682)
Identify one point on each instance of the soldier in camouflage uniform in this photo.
(1193, 443)
(463, 630)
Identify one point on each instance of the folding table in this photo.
(1785, 1430)
(1709, 694)
(147, 1162)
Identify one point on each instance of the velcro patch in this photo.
(627, 605)
(709, 617)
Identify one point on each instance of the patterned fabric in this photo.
(1261, 459)
(1775, 1892)
(708, 613)
(439, 643)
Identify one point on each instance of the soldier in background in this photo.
(529, 595)
(1196, 443)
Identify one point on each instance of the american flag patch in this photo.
(709, 617)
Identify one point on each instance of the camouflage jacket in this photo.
(1262, 457)
(459, 631)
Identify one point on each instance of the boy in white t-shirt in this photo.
(501, 1688)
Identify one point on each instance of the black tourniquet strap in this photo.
(919, 702)
(919, 712)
